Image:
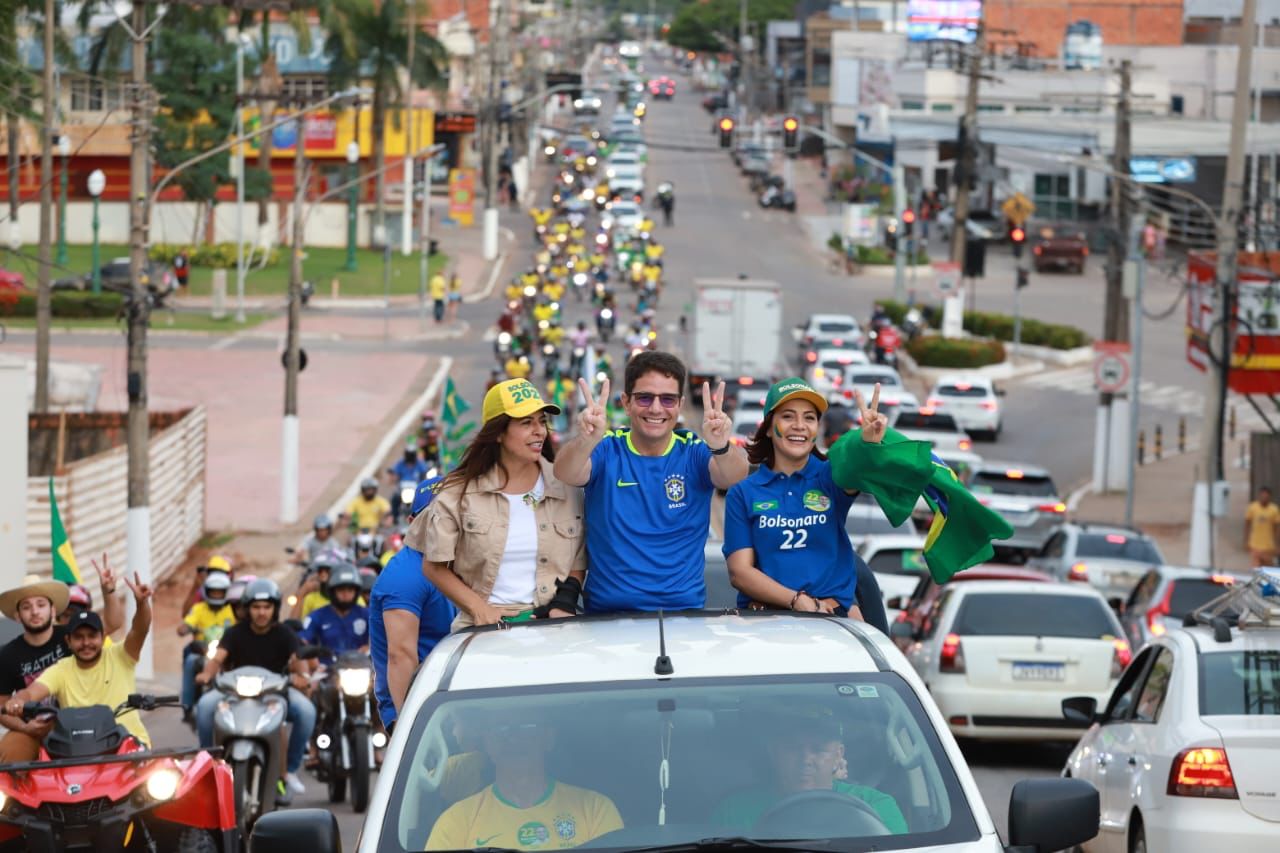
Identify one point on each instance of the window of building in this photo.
(942, 108)
(1053, 196)
(821, 75)
(1177, 103)
(1031, 108)
(990, 108)
(913, 105)
(95, 95)
(304, 88)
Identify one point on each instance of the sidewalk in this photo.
(1162, 508)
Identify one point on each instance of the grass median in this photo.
(183, 321)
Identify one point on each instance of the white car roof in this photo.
(854, 356)
(578, 651)
(890, 542)
(832, 318)
(1082, 590)
(976, 380)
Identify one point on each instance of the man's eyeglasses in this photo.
(644, 400)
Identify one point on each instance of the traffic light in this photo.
(1018, 238)
(908, 222)
(1024, 277)
(726, 132)
(790, 132)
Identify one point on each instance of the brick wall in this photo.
(1043, 23)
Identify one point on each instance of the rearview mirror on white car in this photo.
(1052, 814)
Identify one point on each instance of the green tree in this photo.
(368, 43)
(713, 25)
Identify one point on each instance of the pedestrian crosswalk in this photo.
(1174, 399)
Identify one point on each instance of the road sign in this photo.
(1017, 208)
(946, 276)
(1111, 371)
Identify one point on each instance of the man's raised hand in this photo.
(715, 423)
(141, 591)
(593, 422)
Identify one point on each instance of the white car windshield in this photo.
(849, 759)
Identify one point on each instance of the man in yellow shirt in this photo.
(205, 622)
(1260, 521)
(524, 809)
(368, 509)
(439, 288)
(517, 367)
(95, 675)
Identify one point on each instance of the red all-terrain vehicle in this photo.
(96, 787)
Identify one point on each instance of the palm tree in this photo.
(368, 43)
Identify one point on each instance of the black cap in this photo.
(85, 619)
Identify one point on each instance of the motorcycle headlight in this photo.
(550, 150)
(354, 682)
(248, 686)
(273, 715)
(606, 314)
(504, 338)
(406, 495)
(163, 784)
(580, 278)
(531, 291)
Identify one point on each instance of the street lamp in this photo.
(353, 200)
(97, 183)
(64, 152)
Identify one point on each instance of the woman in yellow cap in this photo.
(504, 539)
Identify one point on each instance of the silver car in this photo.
(1165, 595)
(1027, 498)
(1110, 557)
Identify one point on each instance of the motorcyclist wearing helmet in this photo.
(320, 541)
(408, 469)
(314, 592)
(262, 641)
(206, 622)
(369, 510)
(215, 563)
(342, 625)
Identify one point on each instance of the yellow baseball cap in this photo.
(516, 398)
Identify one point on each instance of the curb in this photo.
(494, 271)
(1004, 370)
(1060, 357)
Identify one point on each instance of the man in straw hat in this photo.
(36, 605)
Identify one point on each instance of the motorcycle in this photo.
(777, 197)
(247, 726)
(580, 281)
(550, 360)
(576, 362)
(605, 323)
(406, 490)
(344, 736)
(96, 787)
(502, 347)
(913, 324)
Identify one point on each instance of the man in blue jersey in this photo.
(649, 488)
(407, 617)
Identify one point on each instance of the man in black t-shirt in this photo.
(262, 641)
(36, 606)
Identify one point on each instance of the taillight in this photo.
(1038, 250)
(1085, 251)
(1120, 657)
(952, 658)
(811, 357)
(837, 343)
(1202, 771)
(1058, 508)
(989, 405)
(965, 444)
(1078, 572)
(848, 393)
(933, 402)
(1155, 616)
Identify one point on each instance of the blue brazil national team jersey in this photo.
(796, 524)
(647, 522)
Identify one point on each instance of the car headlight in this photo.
(248, 686)
(163, 784)
(354, 682)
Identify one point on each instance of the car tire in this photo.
(1137, 834)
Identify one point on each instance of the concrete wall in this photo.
(1203, 74)
(13, 470)
(1043, 23)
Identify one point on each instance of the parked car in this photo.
(637, 725)
(826, 372)
(1109, 556)
(1062, 246)
(116, 275)
(972, 400)
(1027, 498)
(1000, 656)
(1184, 753)
(1164, 596)
(828, 331)
(937, 428)
(11, 281)
(914, 609)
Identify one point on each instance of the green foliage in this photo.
(69, 304)
(934, 351)
(881, 256)
(986, 324)
(212, 255)
(835, 242)
(713, 25)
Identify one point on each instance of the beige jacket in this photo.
(471, 533)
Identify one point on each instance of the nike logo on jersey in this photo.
(622, 483)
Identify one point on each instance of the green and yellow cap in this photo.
(516, 398)
(793, 388)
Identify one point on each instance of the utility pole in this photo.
(137, 429)
(411, 144)
(44, 287)
(1201, 545)
(968, 149)
(292, 354)
(744, 71)
(489, 147)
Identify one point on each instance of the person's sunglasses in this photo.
(645, 400)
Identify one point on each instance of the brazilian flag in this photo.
(452, 405)
(897, 472)
(65, 568)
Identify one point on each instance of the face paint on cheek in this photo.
(777, 431)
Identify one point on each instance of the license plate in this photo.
(1039, 671)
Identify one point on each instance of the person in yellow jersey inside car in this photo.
(525, 808)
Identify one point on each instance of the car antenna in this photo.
(662, 666)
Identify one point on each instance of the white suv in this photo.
(1185, 752)
(972, 400)
(653, 733)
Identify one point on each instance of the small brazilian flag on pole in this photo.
(65, 568)
(452, 406)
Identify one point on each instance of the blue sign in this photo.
(1163, 170)
(943, 20)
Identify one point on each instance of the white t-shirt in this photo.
(518, 569)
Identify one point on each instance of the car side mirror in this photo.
(896, 603)
(902, 631)
(313, 830)
(1050, 814)
(1080, 709)
(1000, 392)
(1117, 604)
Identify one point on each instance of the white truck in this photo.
(737, 332)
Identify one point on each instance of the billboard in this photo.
(1255, 326)
(943, 20)
(1163, 170)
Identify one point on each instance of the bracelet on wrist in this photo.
(723, 450)
(796, 598)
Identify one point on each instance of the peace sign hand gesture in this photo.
(874, 422)
(141, 591)
(106, 577)
(593, 422)
(715, 423)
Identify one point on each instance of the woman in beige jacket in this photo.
(504, 539)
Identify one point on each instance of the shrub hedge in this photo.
(68, 304)
(935, 351)
(215, 255)
(987, 324)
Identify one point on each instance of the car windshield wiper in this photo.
(738, 842)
